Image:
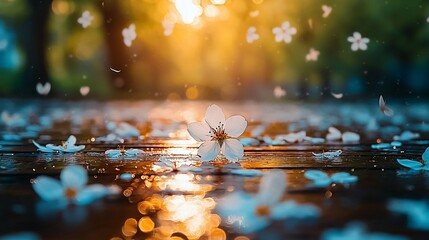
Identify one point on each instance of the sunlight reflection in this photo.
(189, 10)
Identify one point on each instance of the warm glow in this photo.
(189, 10)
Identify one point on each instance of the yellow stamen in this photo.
(263, 210)
(70, 193)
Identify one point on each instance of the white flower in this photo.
(119, 132)
(417, 212)
(67, 146)
(313, 55)
(71, 188)
(284, 33)
(251, 35)
(328, 155)
(43, 89)
(86, 19)
(417, 165)
(84, 90)
(383, 108)
(326, 10)
(129, 35)
(218, 134)
(279, 92)
(358, 42)
(250, 213)
(357, 231)
(117, 153)
(321, 179)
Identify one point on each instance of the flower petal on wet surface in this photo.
(410, 163)
(208, 150)
(134, 152)
(48, 188)
(232, 149)
(235, 126)
(343, 177)
(90, 193)
(315, 175)
(272, 187)
(291, 209)
(71, 140)
(74, 176)
(214, 116)
(200, 131)
(246, 172)
(42, 148)
(113, 153)
(73, 148)
(425, 156)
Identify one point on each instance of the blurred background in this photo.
(201, 49)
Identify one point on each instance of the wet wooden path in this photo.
(163, 133)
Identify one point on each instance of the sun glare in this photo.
(189, 10)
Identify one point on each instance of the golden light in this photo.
(146, 224)
(190, 215)
(218, 2)
(189, 10)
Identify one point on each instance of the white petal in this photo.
(214, 116)
(74, 176)
(134, 152)
(112, 153)
(290, 209)
(200, 131)
(410, 163)
(425, 156)
(208, 150)
(48, 188)
(287, 38)
(71, 140)
(350, 137)
(72, 149)
(343, 177)
(357, 35)
(355, 46)
(277, 30)
(246, 172)
(334, 134)
(279, 37)
(363, 46)
(272, 187)
(235, 126)
(91, 193)
(351, 39)
(285, 25)
(232, 149)
(42, 148)
(315, 175)
(54, 147)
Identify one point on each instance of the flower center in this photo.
(263, 210)
(64, 145)
(70, 192)
(218, 133)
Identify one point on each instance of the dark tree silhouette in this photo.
(35, 40)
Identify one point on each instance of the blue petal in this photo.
(410, 163)
(425, 156)
(91, 193)
(48, 188)
(246, 172)
(42, 148)
(343, 177)
(290, 209)
(316, 175)
(74, 176)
